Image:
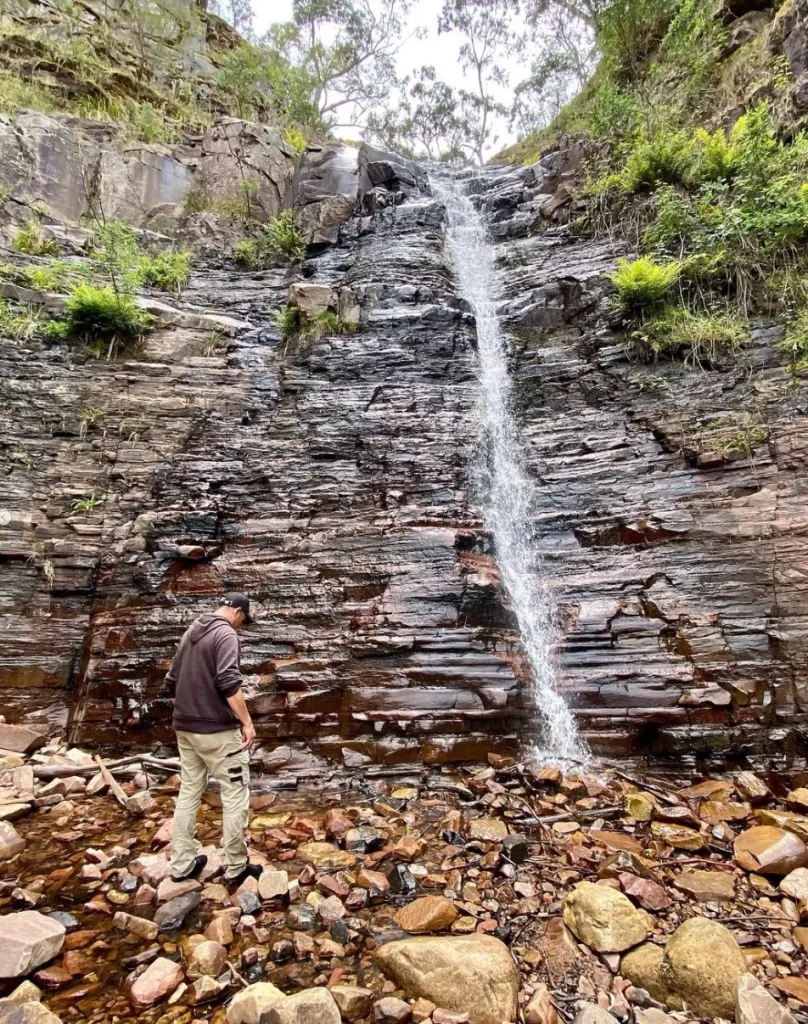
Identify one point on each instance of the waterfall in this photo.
(504, 489)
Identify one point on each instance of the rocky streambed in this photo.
(500, 892)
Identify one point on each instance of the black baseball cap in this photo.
(236, 600)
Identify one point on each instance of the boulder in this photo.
(312, 1006)
(489, 830)
(754, 1005)
(603, 918)
(139, 926)
(797, 800)
(428, 914)
(311, 298)
(208, 958)
(469, 973)
(19, 738)
(159, 980)
(642, 967)
(248, 1006)
(768, 850)
(323, 191)
(27, 940)
(205, 989)
(11, 842)
(795, 884)
(352, 1002)
(702, 964)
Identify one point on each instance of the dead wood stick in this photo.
(114, 787)
(604, 812)
(57, 771)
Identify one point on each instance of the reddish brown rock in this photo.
(677, 836)
(158, 981)
(706, 885)
(769, 850)
(540, 1009)
(428, 914)
(649, 894)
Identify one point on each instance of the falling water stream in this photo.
(504, 489)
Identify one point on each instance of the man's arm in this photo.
(228, 682)
(239, 709)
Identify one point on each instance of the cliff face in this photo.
(332, 484)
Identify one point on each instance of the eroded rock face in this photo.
(72, 167)
(333, 485)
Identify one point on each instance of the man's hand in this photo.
(247, 735)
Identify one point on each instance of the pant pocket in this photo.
(237, 767)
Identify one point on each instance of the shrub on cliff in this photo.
(105, 320)
(20, 323)
(643, 284)
(166, 271)
(281, 241)
(698, 336)
(31, 240)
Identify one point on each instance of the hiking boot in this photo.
(196, 868)
(248, 871)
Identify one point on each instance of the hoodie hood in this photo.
(206, 624)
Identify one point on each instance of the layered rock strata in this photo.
(331, 482)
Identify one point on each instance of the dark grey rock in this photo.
(173, 915)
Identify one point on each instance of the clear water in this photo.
(502, 485)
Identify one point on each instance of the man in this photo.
(214, 732)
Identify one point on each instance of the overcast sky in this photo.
(440, 51)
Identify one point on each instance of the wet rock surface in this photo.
(333, 484)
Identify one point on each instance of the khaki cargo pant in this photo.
(216, 754)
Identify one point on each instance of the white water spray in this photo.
(504, 487)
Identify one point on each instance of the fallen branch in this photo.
(114, 787)
(57, 771)
(603, 812)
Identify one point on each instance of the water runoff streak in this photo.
(505, 491)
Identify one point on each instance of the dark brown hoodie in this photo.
(205, 672)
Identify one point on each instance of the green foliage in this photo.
(656, 160)
(20, 323)
(295, 138)
(104, 320)
(300, 331)
(643, 284)
(16, 94)
(31, 239)
(795, 343)
(198, 199)
(740, 440)
(700, 337)
(280, 241)
(289, 320)
(89, 416)
(167, 271)
(89, 503)
(285, 239)
(117, 255)
(247, 253)
(261, 83)
(243, 205)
